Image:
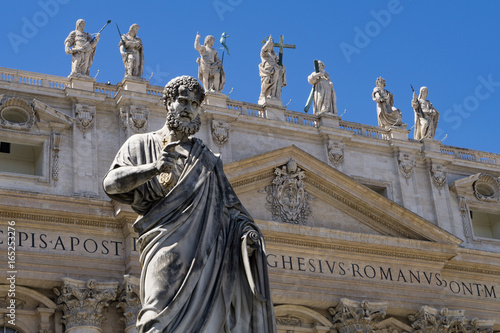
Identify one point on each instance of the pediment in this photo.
(51, 116)
(337, 201)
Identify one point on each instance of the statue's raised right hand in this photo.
(168, 157)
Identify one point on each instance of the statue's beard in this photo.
(176, 124)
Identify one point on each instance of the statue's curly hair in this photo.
(171, 91)
(381, 80)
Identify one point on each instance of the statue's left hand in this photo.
(252, 241)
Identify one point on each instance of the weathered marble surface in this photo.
(388, 115)
(82, 48)
(202, 257)
(132, 52)
(272, 75)
(210, 69)
(325, 99)
(426, 116)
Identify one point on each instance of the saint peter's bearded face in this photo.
(184, 112)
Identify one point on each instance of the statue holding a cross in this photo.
(272, 71)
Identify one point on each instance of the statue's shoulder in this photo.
(200, 146)
(198, 142)
(71, 36)
(140, 139)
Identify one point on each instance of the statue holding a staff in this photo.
(81, 45)
(210, 70)
(323, 93)
(132, 52)
(426, 116)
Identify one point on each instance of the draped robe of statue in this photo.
(325, 99)
(387, 114)
(84, 48)
(132, 55)
(193, 277)
(272, 75)
(425, 121)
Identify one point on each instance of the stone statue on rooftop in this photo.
(272, 73)
(210, 69)
(82, 47)
(132, 52)
(388, 115)
(203, 259)
(426, 116)
(324, 96)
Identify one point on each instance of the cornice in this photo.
(107, 224)
(438, 258)
(482, 271)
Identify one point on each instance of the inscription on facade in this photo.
(35, 241)
(62, 243)
(376, 272)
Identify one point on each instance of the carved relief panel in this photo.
(336, 152)
(286, 197)
(438, 174)
(134, 117)
(406, 163)
(84, 117)
(220, 132)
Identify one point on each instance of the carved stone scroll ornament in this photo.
(56, 139)
(431, 320)
(406, 164)
(83, 303)
(220, 132)
(336, 152)
(438, 174)
(357, 317)
(288, 320)
(286, 197)
(84, 116)
(465, 214)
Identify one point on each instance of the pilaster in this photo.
(129, 302)
(84, 150)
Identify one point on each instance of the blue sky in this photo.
(450, 47)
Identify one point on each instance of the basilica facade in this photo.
(366, 229)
